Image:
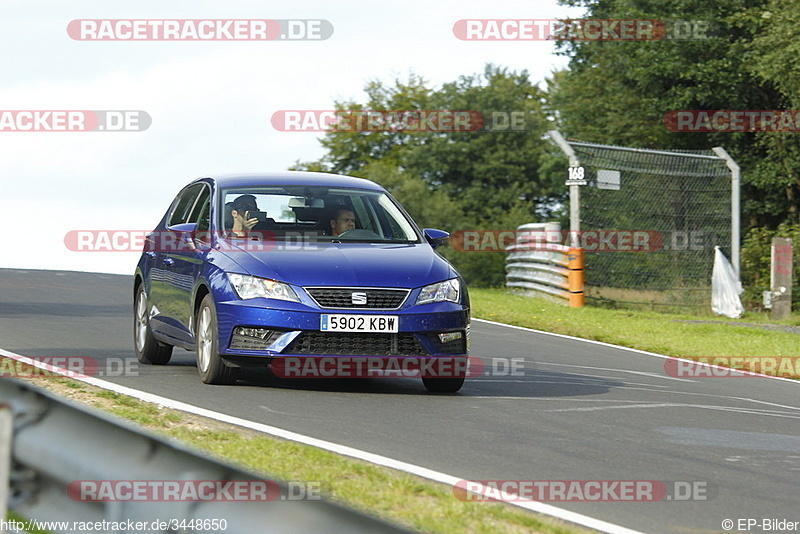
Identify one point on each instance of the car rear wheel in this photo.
(211, 367)
(443, 385)
(148, 349)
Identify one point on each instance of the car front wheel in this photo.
(148, 349)
(443, 385)
(211, 367)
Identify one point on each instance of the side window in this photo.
(184, 204)
(202, 208)
(204, 221)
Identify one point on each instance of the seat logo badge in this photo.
(358, 297)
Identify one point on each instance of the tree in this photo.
(619, 92)
(772, 56)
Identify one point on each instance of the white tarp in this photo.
(725, 288)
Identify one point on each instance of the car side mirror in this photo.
(185, 233)
(436, 238)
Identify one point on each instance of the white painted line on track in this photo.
(430, 474)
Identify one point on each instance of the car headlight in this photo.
(449, 290)
(251, 287)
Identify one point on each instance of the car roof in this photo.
(294, 178)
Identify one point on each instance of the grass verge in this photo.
(680, 335)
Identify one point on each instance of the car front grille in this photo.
(342, 297)
(356, 344)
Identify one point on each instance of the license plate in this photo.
(359, 323)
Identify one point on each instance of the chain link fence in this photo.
(649, 222)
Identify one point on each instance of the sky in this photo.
(210, 102)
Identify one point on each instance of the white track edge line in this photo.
(640, 351)
(436, 476)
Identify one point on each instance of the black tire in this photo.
(148, 349)
(212, 368)
(443, 385)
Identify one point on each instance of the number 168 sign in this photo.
(576, 176)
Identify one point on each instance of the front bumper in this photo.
(297, 333)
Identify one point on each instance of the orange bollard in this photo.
(575, 257)
(575, 281)
(575, 277)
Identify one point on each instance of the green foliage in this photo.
(431, 208)
(771, 56)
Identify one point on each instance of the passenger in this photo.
(344, 220)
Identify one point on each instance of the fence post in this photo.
(574, 187)
(736, 178)
(575, 277)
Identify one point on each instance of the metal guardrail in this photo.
(538, 262)
(53, 442)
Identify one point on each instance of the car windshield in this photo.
(318, 213)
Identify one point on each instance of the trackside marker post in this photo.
(576, 179)
(781, 278)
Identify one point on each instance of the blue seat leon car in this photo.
(301, 271)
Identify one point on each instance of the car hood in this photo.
(346, 264)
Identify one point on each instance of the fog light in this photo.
(260, 333)
(446, 337)
(250, 338)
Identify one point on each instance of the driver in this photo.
(239, 209)
(344, 220)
